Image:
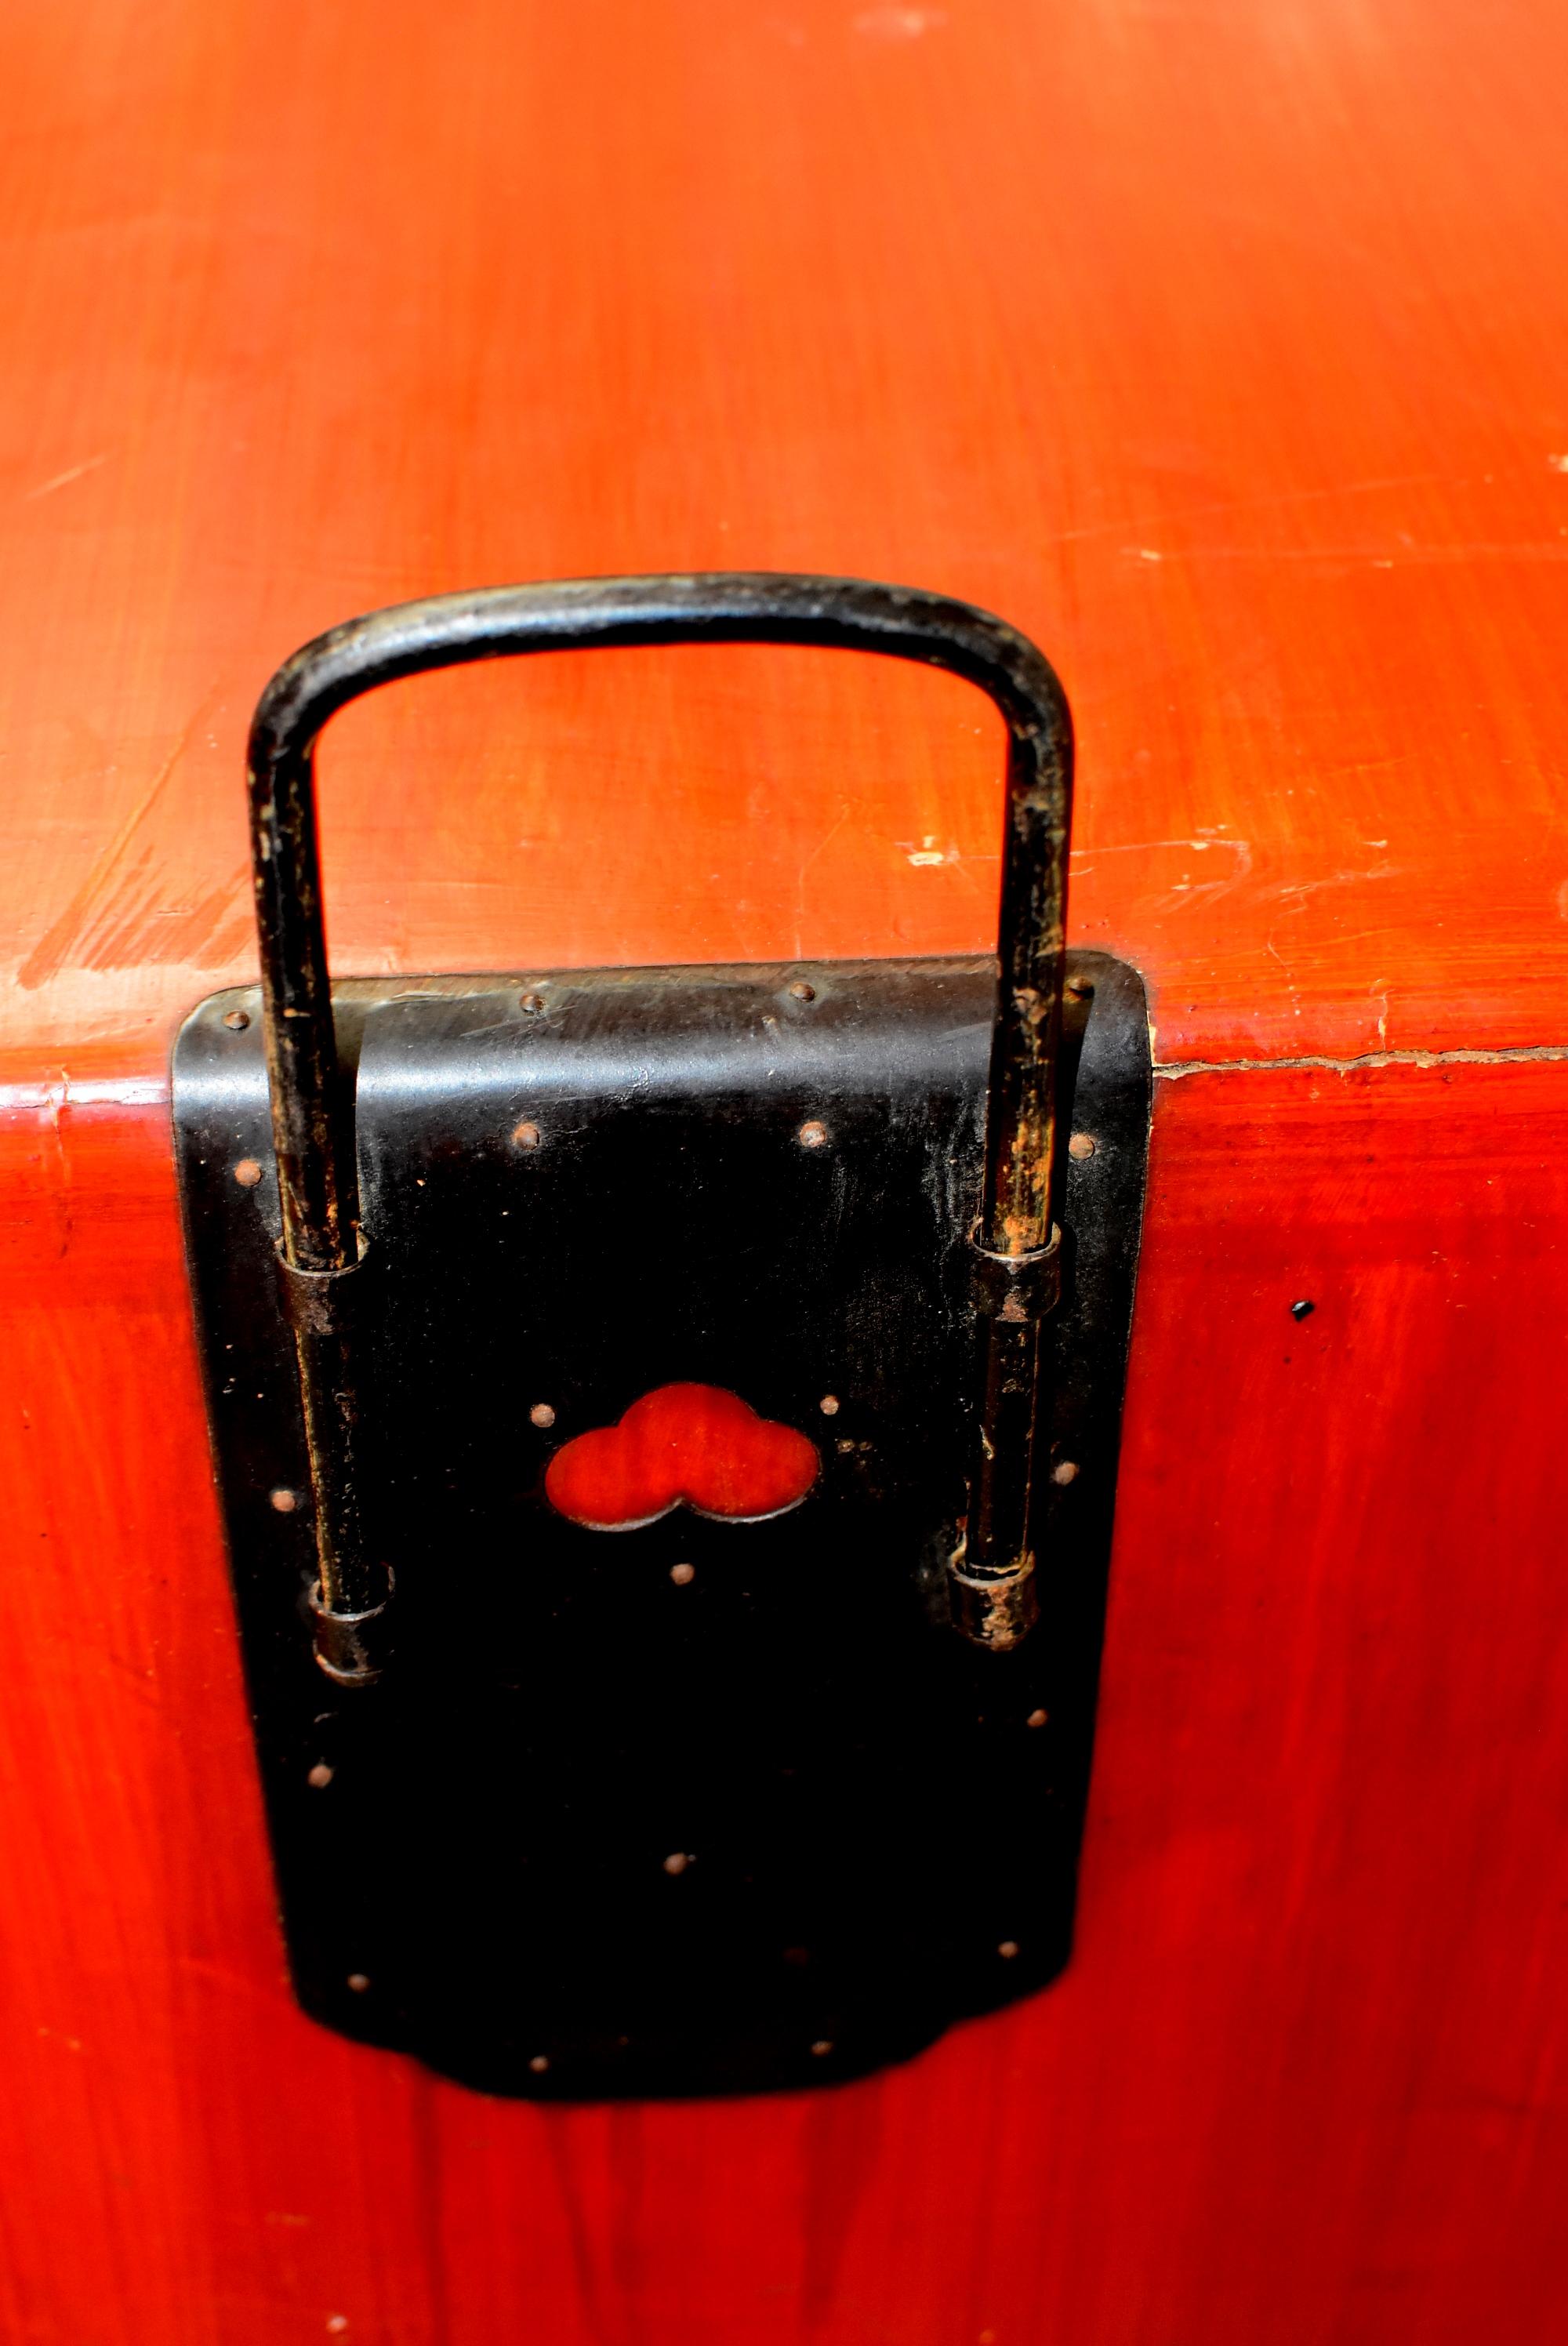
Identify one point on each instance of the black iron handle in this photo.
(312, 1122)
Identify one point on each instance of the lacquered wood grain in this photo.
(1222, 348)
(1306, 2077)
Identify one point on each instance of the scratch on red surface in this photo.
(120, 918)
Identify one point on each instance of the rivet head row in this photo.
(526, 1135)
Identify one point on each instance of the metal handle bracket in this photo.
(991, 1575)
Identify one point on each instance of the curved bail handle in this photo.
(311, 1127)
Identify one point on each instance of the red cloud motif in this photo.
(696, 1443)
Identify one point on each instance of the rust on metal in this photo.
(997, 1611)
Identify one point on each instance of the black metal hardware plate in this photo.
(872, 1838)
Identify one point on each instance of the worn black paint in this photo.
(869, 1814)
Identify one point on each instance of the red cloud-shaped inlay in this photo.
(692, 1442)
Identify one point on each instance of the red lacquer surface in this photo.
(1306, 2076)
(684, 1444)
(1220, 346)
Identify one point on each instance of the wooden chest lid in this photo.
(1221, 353)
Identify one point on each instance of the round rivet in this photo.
(319, 1777)
(823, 2044)
(1080, 988)
(828, 1404)
(1082, 1145)
(532, 1002)
(539, 2063)
(1064, 1471)
(677, 1861)
(525, 1136)
(1008, 1949)
(542, 1414)
(683, 1575)
(237, 1021)
(802, 992)
(283, 1499)
(359, 1982)
(247, 1172)
(812, 1134)
(1304, 1310)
